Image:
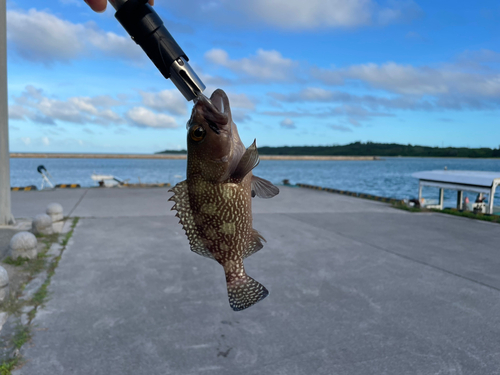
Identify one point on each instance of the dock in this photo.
(356, 287)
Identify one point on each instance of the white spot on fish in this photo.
(209, 209)
(228, 228)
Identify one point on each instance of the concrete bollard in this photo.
(42, 224)
(23, 245)
(55, 211)
(4, 284)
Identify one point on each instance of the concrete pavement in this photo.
(356, 287)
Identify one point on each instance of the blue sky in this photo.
(316, 72)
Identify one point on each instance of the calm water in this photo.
(390, 177)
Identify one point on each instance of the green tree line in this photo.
(375, 149)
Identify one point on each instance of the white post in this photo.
(420, 191)
(492, 198)
(460, 200)
(441, 198)
(6, 217)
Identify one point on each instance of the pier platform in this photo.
(356, 287)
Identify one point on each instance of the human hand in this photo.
(100, 5)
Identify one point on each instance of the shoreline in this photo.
(29, 155)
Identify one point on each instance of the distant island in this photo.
(373, 149)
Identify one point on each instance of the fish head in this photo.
(214, 146)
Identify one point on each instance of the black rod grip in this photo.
(146, 28)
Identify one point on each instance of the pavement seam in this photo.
(23, 325)
(407, 257)
(79, 201)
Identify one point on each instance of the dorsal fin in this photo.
(248, 161)
(263, 188)
(185, 215)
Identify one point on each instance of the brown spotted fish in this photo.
(214, 202)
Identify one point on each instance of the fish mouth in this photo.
(215, 111)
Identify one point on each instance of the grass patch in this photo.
(41, 294)
(7, 366)
(14, 306)
(404, 207)
(470, 215)
(15, 262)
(52, 267)
(21, 336)
(66, 238)
(451, 211)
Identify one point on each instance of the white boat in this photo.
(107, 180)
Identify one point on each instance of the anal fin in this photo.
(255, 244)
(184, 213)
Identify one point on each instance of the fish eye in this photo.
(197, 133)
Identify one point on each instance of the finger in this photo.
(97, 5)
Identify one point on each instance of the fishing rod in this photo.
(146, 28)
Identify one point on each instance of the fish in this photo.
(214, 202)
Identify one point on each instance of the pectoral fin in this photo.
(184, 213)
(263, 188)
(248, 161)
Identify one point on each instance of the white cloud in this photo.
(33, 105)
(352, 114)
(165, 101)
(25, 140)
(320, 95)
(143, 117)
(40, 36)
(241, 105)
(17, 112)
(411, 80)
(298, 14)
(313, 14)
(288, 123)
(240, 101)
(43, 37)
(45, 141)
(268, 66)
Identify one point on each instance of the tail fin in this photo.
(244, 292)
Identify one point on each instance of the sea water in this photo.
(388, 177)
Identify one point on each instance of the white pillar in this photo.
(6, 217)
(460, 200)
(492, 198)
(441, 198)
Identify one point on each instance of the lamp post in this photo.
(6, 217)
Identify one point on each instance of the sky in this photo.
(316, 72)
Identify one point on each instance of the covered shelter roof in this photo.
(475, 181)
(472, 178)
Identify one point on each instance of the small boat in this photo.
(107, 180)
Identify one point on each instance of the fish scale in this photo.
(214, 202)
